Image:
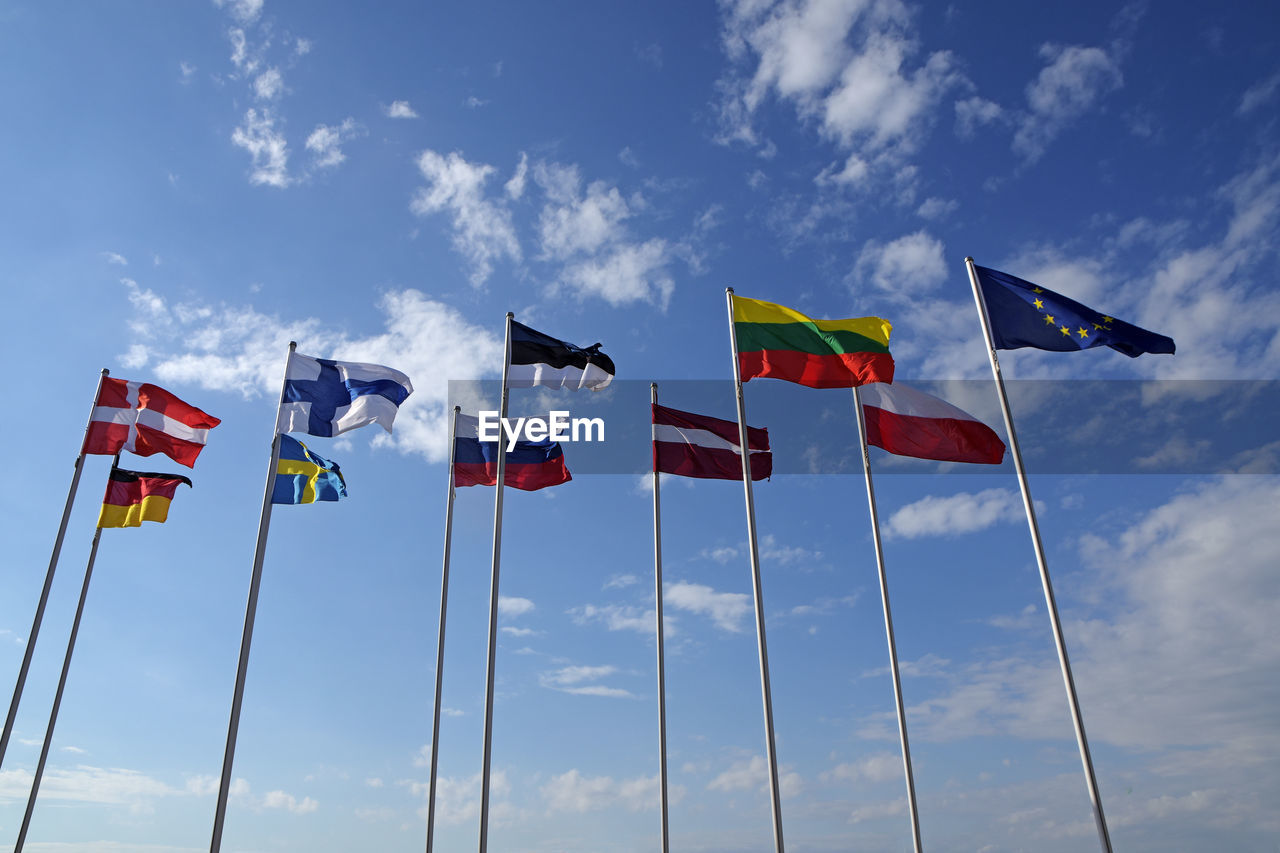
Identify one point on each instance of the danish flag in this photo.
(145, 419)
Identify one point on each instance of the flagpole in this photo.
(48, 579)
(774, 794)
(888, 625)
(662, 681)
(62, 683)
(1077, 719)
(250, 611)
(493, 597)
(444, 601)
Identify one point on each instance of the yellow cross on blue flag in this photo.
(303, 477)
(1023, 314)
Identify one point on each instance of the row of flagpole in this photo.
(1125, 340)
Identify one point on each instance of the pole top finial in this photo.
(457, 409)
(968, 260)
(511, 315)
(293, 345)
(729, 290)
(653, 384)
(106, 372)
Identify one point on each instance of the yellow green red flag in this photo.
(781, 343)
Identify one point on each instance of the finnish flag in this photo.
(327, 398)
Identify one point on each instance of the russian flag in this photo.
(531, 466)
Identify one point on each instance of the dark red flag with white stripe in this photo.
(145, 419)
(692, 445)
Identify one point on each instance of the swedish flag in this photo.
(303, 477)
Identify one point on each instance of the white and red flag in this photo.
(692, 445)
(908, 422)
(145, 419)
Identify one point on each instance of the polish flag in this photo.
(145, 419)
(908, 422)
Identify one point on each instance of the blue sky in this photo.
(187, 187)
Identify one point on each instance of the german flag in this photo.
(134, 497)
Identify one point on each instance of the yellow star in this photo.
(1065, 331)
(1096, 326)
(1039, 303)
(1107, 319)
(1037, 290)
(1083, 333)
(1048, 319)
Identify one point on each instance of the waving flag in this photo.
(780, 343)
(145, 419)
(908, 422)
(700, 446)
(538, 359)
(134, 497)
(532, 465)
(1023, 314)
(327, 398)
(304, 477)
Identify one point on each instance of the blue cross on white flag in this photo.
(327, 398)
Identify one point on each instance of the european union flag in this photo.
(1026, 315)
(303, 477)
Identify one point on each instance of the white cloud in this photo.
(973, 113)
(472, 102)
(570, 679)
(188, 71)
(482, 229)
(962, 513)
(619, 618)
(514, 606)
(326, 141)
(627, 157)
(281, 800)
(301, 46)
(746, 775)
(86, 784)
(518, 632)
(910, 264)
(574, 793)
(400, 109)
(1258, 94)
(620, 581)
(571, 224)
(726, 609)
(937, 208)
(458, 798)
(514, 187)
(115, 258)
(1074, 79)
(268, 85)
(881, 767)
(630, 273)
(771, 551)
(845, 64)
(243, 11)
(266, 145)
(373, 782)
(237, 349)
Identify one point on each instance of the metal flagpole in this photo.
(444, 602)
(493, 598)
(1077, 719)
(250, 610)
(62, 683)
(774, 794)
(888, 625)
(662, 689)
(48, 580)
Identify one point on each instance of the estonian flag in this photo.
(538, 359)
(531, 466)
(327, 398)
(303, 477)
(1023, 314)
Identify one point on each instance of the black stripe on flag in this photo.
(529, 346)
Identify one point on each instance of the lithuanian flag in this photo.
(777, 342)
(134, 497)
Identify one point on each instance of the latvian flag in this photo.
(699, 446)
(145, 419)
(134, 497)
(538, 359)
(531, 466)
(908, 422)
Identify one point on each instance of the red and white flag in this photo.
(145, 419)
(700, 446)
(908, 422)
